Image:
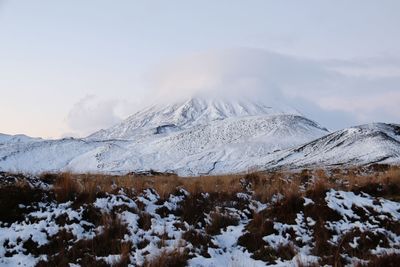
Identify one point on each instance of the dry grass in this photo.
(195, 208)
(66, 187)
(85, 187)
(199, 240)
(175, 258)
(62, 249)
(387, 260)
(314, 184)
(219, 221)
(144, 221)
(14, 201)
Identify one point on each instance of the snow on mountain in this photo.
(359, 145)
(160, 118)
(40, 155)
(5, 138)
(205, 136)
(365, 144)
(196, 150)
(187, 137)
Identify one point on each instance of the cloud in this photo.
(338, 93)
(335, 93)
(238, 72)
(91, 114)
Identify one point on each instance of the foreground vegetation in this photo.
(305, 218)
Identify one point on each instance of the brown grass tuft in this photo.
(175, 258)
(66, 188)
(199, 240)
(62, 248)
(219, 221)
(387, 260)
(286, 210)
(15, 199)
(144, 221)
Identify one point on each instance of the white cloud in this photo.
(337, 93)
(235, 72)
(322, 90)
(91, 114)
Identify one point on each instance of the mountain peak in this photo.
(187, 113)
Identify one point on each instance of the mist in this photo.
(337, 94)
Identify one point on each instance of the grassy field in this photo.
(303, 218)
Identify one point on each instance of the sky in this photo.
(69, 68)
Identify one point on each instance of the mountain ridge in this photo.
(205, 137)
(187, 113)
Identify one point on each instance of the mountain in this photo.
(37, 155)
(205, 136)
(355, 146)
(198, 149)
(365, 144)
(19, 138)
(161, 118)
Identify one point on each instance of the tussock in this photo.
(103, 220)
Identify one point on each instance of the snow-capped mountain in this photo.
(205, 136)
(198, 149)
(162, 118)
(355, 146)
(19, 138)
(365, 144)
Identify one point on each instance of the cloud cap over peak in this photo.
(321, 89)
(330, 92)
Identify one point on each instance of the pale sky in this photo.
(73, 67)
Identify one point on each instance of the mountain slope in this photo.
(162, 118)
(203, 136)
(41, 155)
(19, 138)
(359, 145)
(197, 149)
(188, 137)
(365, 144)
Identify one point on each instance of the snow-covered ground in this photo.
(356, 225)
